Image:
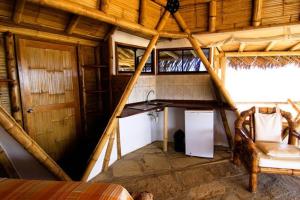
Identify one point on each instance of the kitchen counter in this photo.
(188, 104)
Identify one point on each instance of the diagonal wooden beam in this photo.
(295, 47)
(119, 108)
(242, 46)
(270, 45)
(212, 16)
(18, 12)
(196, 45)
(72, 24)
(78, 9)
(257, 11)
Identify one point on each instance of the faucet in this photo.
(147, 98)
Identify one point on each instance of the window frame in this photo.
(135, 47)
(179, 49)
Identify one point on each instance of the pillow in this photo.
(268, 127)
(278, 149)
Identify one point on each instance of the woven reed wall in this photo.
(4, 91)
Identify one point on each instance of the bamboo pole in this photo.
(14, 89)
(262, 53)
(17, 132)
(242, 46)
(45, 35)
(142, 12)
(212, 15)
(108, 151)
(19, 8)
(257, 11)
(72, 24)
(105, 5)
(223, 67)
(165, 145)
(119, 108)
(78, 9)
(270, 45)
(119, 150)
(295, 47)
(195, 43)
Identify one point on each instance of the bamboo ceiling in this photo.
(262, 62)
(230, 15)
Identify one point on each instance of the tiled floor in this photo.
(174, 176)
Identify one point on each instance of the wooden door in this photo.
(49, 92)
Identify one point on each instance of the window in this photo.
(128, 58)
(180, 61)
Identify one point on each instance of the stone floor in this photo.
(174, 176)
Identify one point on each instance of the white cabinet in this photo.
(199, 133)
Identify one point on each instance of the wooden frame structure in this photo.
(246, 150)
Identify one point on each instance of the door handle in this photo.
(30, 110)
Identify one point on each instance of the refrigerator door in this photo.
(199, 133)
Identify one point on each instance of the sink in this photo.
(157, 103)
(143, 107)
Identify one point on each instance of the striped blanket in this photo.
(35, 189)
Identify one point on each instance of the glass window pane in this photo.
(148, 65)
(170, 61)
(191, 62)
(126, 59)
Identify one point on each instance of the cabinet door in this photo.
(49, 91)
(199, 134)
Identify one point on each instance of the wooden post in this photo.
(104, 5)
(257, 10)
(165, 145)
(195, 43)
(223, 68)
(142, 16)
(108, 151)
(119, 150)
(72, 24)
(14, 89)
(17, 132)
(19, 8)
(119, 108)
(212, 15)
(270, 45)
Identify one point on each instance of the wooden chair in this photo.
(247, 150)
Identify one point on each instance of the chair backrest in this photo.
(246, 121)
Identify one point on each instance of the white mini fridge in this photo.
(199, 133)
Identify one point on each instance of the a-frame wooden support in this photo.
(119, 108)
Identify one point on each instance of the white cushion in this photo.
(279, 149)
(276, 162)
(268, 127)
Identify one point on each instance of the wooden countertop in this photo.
(188, 104)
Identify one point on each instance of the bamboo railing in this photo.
(17, 132)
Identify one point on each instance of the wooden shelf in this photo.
(95, 66)
(95, 91)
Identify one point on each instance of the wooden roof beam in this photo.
(262, 53)
(72, 24)
(78, 9)
(295, 47)
(270, 45)
(242, 46)
(142, 11)
(18, 12)
(257, 12)
(212, 16)
(104, 5)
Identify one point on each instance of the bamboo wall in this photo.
(4, 92)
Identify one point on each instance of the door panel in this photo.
(49, 90)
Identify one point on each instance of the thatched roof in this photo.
(262, 61)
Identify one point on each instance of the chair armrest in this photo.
(248, 142)
(295, 134)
